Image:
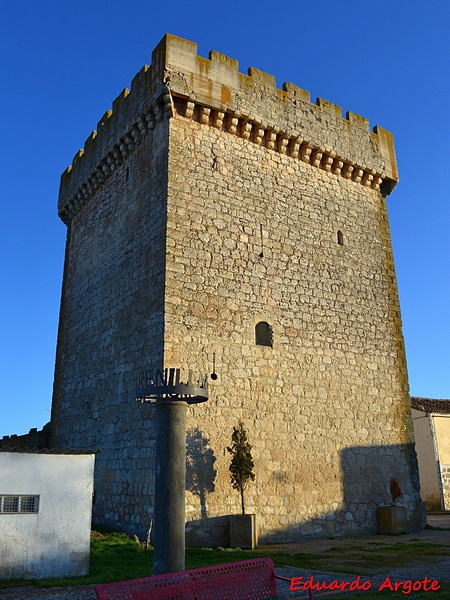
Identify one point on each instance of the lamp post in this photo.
(171, 397)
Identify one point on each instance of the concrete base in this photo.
(243, 533)
(392, 520)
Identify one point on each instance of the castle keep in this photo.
(221, 224)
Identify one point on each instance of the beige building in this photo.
(431, 420)
(218, 222)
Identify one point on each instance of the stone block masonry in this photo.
(209, 201)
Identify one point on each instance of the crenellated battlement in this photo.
(213, 92)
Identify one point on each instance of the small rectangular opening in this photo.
(10, 504)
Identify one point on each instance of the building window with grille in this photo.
(263, 334)
(10, 504)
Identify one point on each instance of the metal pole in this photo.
(170, 483)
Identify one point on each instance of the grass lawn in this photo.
(114, 557)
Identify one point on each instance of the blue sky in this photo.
(61, 65)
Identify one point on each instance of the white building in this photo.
(45, 513)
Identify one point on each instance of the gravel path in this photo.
(33, 593)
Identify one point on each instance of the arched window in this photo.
(340, 238)
(263, 334)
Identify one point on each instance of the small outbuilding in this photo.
(45, 513)
(431, 420)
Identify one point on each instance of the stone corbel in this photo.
(316, 157)
(189, 110)
(305, 152)
(337, 165)
(271, 138)
(233, 126)
(218, 119)
(258, 134)
(204, 115)
(294, 146)
(357, 175)
(169, 110)
(347, 171)
(282, 144)
(367, 179)
(246, 129)
(328, 159)
(377, 180)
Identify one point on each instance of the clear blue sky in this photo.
(61, 65)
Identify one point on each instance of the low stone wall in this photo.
(35, 438)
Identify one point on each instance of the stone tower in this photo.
(219, 223)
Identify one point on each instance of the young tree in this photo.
(241, 467)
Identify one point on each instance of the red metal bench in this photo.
(245, 580)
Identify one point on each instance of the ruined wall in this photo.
(33, 439)
(207, 202)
